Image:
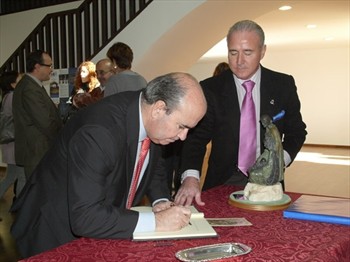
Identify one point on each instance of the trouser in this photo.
(13, 173)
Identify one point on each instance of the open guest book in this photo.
(198, 228)
(321, 209)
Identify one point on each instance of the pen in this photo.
(172, 205)
(278, 116)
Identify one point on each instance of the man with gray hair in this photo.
(226, 123)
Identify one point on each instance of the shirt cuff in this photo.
(190, 173)
(159, 200)
(146, 222)
(287, 159)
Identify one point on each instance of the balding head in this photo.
(172, 104)
(104, 70)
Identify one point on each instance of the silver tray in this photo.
(212, 252)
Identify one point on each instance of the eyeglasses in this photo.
(101, 72)
(46, 65)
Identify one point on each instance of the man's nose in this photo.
(240, 59)
(183, 134)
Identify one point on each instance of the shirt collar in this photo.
(254, 78)
(35, 79)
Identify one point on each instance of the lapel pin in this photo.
(272, 101)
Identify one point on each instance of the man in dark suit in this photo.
(81, 186)
(36, 117)
(272, 93)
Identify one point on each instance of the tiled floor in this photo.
(317, 170)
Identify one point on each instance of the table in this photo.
(271, 237)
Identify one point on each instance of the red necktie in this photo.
(143, 153)
(247, 134)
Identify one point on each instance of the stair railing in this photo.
(76, 35)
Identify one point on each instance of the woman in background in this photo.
(85, 84)
(221, 67)
(86, 89)
(14, 174)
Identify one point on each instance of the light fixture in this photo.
(311, 26)
(285, 8)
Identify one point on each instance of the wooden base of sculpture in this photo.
(236, 199)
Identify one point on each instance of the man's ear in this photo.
(158, 109)
(36, 66)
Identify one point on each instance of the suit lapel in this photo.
(132, 131)
(267, 97)
(230, 101)
(42, 90)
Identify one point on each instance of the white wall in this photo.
(14, 28)
(145, 31)
(322, 79)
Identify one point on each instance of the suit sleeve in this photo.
(93, 156)
(194, 147)
(158, 187)
(294, 130)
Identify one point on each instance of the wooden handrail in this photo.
(76, 35)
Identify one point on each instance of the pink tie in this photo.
(247, 134)
(143, 153)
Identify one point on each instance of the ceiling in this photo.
(288, 29)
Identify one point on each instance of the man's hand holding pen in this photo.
(171, 217)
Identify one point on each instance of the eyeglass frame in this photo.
(101, 72)
(42, 64)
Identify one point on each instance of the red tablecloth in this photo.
(272, 238)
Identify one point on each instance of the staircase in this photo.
(73, 36)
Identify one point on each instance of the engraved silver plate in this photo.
(212, 252)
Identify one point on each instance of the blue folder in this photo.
(320, 209)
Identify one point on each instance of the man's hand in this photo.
(172, 219)
(188, 191)
(163, 205)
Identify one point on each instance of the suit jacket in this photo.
(81, 186)
(86, 98)
(8, 150)
(37, 122)
(221, 123)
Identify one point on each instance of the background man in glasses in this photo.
(36, 117)
(104, 70)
